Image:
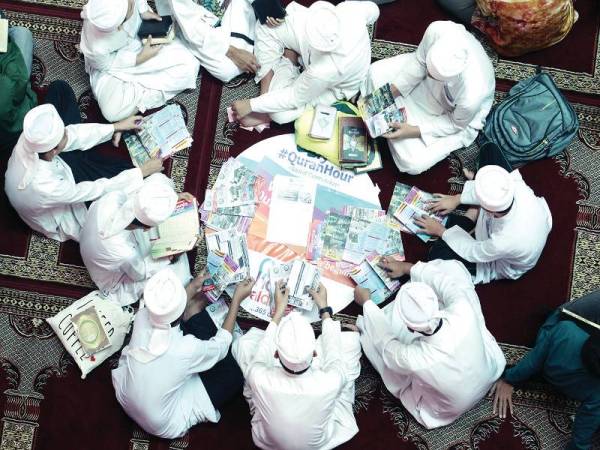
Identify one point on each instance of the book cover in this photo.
(353, 140)
(334, 235)
(303, 276)
(364, 276)
(373, 160)
(158, 29)
(268, 8)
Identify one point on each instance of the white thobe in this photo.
(437, 378)
(449, 114)
(166, 397)
(121, 264)
(508, 246)
(52, 203)
(327, 77)
(122, 87)
(312, 410)
(209, 39)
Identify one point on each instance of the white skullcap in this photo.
(165, 299)
(417, 306)
(446, 58)
(154, 203)
(494, 188)
(105, 15)
(43, 129)
(323, 26)
(295, 342)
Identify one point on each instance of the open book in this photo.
(379, 109)
(179, 233)
(162, 134)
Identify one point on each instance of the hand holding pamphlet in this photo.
(179, 233)
(413, 206)
(303, 276)
(380, 109)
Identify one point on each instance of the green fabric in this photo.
(17, 96)
(215, 7)
(556, 356)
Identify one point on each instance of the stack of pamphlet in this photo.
(179, 233)
(162, 134)
(232, 243)
(414, 205)
(380, 109)
(231, 203)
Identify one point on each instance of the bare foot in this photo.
(253, 119)
(350, 327)
(576, 17)
(291, 55)
(469, 174)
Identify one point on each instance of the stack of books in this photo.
(162, 134)
(357, 151)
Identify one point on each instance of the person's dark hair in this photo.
(590, 354)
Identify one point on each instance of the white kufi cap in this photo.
(447, 58)
(105, 15)
(165, 299)
(154, 203)
(43, 130)
(295, 342)
(494, 188)
(323, 26)
(417, 306)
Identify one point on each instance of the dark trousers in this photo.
(491, 155)
(87, 165)
(224, 380)
(441, 250)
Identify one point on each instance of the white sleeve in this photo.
(142, 6)
(87, 135)
(56, 192)
(471, 249)
(305, 88)
(448, 123)
(206, 354)
(366, 9)
(332, 349)
(449, 279)
(264, 356)
(398, 357)
(468, 196)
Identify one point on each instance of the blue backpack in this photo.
(535, 121)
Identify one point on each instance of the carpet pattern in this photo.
(47, 406)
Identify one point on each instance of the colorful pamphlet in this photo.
(364, 276)
(162, 134)
(373, 260)
(232, 243)
(379, 109)
(222, 270)
(179, 233)
(303, 276)
(334, 235)
(353, 141)
(414, 206)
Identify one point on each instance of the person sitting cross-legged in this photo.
(300, 389)
(115, 245)
(430, 345)
(49, 179)
(511, 225)
(447, 88)
(177, 370)
(330, 42)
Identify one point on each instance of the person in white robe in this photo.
(447, 88)
(115, 244)
(224, 46)
(126, 76)
(511, 226)
(300, 389)
(430, 345)
(40, 185)
(165, 376)
(333, 46)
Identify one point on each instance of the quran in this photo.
(268, 8)
(162, 31)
